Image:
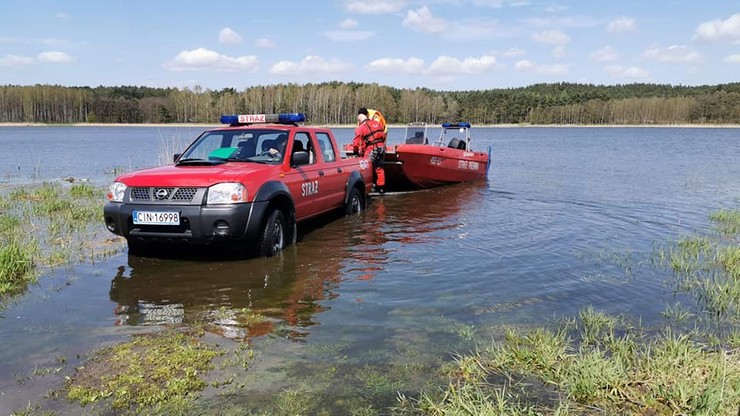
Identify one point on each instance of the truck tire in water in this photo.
(354, 203)
(272, 237)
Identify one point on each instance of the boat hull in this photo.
(426, 166)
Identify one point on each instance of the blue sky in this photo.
(436, 44)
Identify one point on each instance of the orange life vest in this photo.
(375, 134)
(378, 116)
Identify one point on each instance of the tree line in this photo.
(336, 103)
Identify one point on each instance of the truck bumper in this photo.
(198, 224)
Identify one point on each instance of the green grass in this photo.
(709, 267)
(601, 364)
(163, 369)
(727, 221)
(47, 225)
(16, 266)
(628, 374)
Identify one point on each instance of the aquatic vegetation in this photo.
(628, 374)
(16, 266)
(597, 363)
(46, 225)
(16, 257)
(709, 268)
(149, 370)
(727, 221)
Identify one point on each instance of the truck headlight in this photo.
(226, 193)
(116, 192)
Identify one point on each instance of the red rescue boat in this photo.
(417, 163)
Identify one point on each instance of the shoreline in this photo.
(216, 125)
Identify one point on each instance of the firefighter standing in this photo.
(370, 141)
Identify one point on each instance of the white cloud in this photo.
(562, 22)
(559, 51)
(53, 42)
(310, 65)
(264, 43)
(556, 8)
(203, 59)
(375, 7)
(557, 69)
(422, 20)
(50, 42)
(719, 30)
(529, 66)
(61, 15)
(494, 4)
(16, 60)
(54, 57)
(474, 29)
(412, 65)
(632, 72)
(605, 54)
(497, 4)
(624, 24)
(446, 65)
(524, 65)
(732, 59)
(551, 37)
(441, 67)
(348, 24)
(228, 36)
(51, 57)
(512, 52)
(348, 35)
(675, 54)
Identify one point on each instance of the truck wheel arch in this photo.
(355, 181)
(278, 197)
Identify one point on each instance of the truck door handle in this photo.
(339, 170)
(321, 173)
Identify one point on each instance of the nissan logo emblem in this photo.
(160, 193)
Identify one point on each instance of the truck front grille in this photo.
(163, 194)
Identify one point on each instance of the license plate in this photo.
(156, 217)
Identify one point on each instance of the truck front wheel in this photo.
(354, 203)
(272, 237)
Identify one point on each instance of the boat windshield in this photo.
(261, 146)
(455, 135)
(416, 133)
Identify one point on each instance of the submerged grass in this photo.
(620, 374)
(709, 268)
(601, 364)
(47, 225)
(164, 369)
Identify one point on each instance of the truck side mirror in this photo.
(300, 158)
(176, 156)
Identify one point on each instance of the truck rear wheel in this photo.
(272, 237)
(354, 203)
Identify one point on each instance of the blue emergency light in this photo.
(282, 118)
(456, 125)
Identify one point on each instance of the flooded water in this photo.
(568, 218)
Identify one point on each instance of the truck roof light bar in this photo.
(247, 119)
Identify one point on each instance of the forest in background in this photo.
(336, 103)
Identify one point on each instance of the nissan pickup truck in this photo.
(252, 182)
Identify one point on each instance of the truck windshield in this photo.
(253, 145)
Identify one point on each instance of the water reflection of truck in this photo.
(250, 182)
(234, 299)
(247, 298)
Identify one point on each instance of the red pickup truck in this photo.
(252, 182)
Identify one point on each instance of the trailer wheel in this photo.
(272, 237)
